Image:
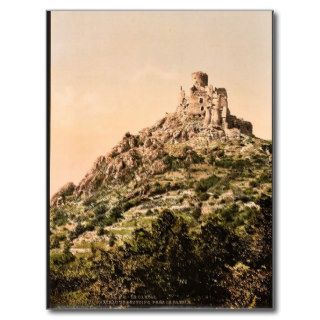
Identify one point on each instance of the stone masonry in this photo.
(211, 104)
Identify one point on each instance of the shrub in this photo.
(167, 185)
(115, 213)
(100, 214)
(193, 157)
(204, 184)
(100, 231)
(242, 197)
(178, 186)
(253, 183)
(60, 217)
(157, 189)
(228, 214)
(172, 162)
(108, 221)
(80, 228)
(131, 203)
(265, 177)
(258, 160)
(196, 212)
(54, 242)
(100, 209)
(203, 196)
(249, 192)
(59, 258)
(245, 217)
(233, 217)
(149, 212)
(237, 164)
(112, 240)
(90, 201)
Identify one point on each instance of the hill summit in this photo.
(181, 211)
(201, 117)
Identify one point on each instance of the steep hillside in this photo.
(178, 215)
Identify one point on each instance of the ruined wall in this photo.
(245, 127)
(211, 104)
(198, 100)
(222, 91)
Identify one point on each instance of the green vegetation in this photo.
(204, 184)
(238, 164)
(80, 229)
(60, 217)
(180, 265)
(200, 233)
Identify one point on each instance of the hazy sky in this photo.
(114, 72)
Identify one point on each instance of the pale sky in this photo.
(120, 71)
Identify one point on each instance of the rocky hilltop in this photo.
(194, 187)
(201, 118)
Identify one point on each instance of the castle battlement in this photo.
(211, 104)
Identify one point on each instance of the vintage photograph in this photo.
(160, 159)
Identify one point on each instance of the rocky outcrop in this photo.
(204, 116)
(65, 191)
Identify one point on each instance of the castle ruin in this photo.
(211, 105)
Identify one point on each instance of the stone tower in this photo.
(211, 105)
(200, 79)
